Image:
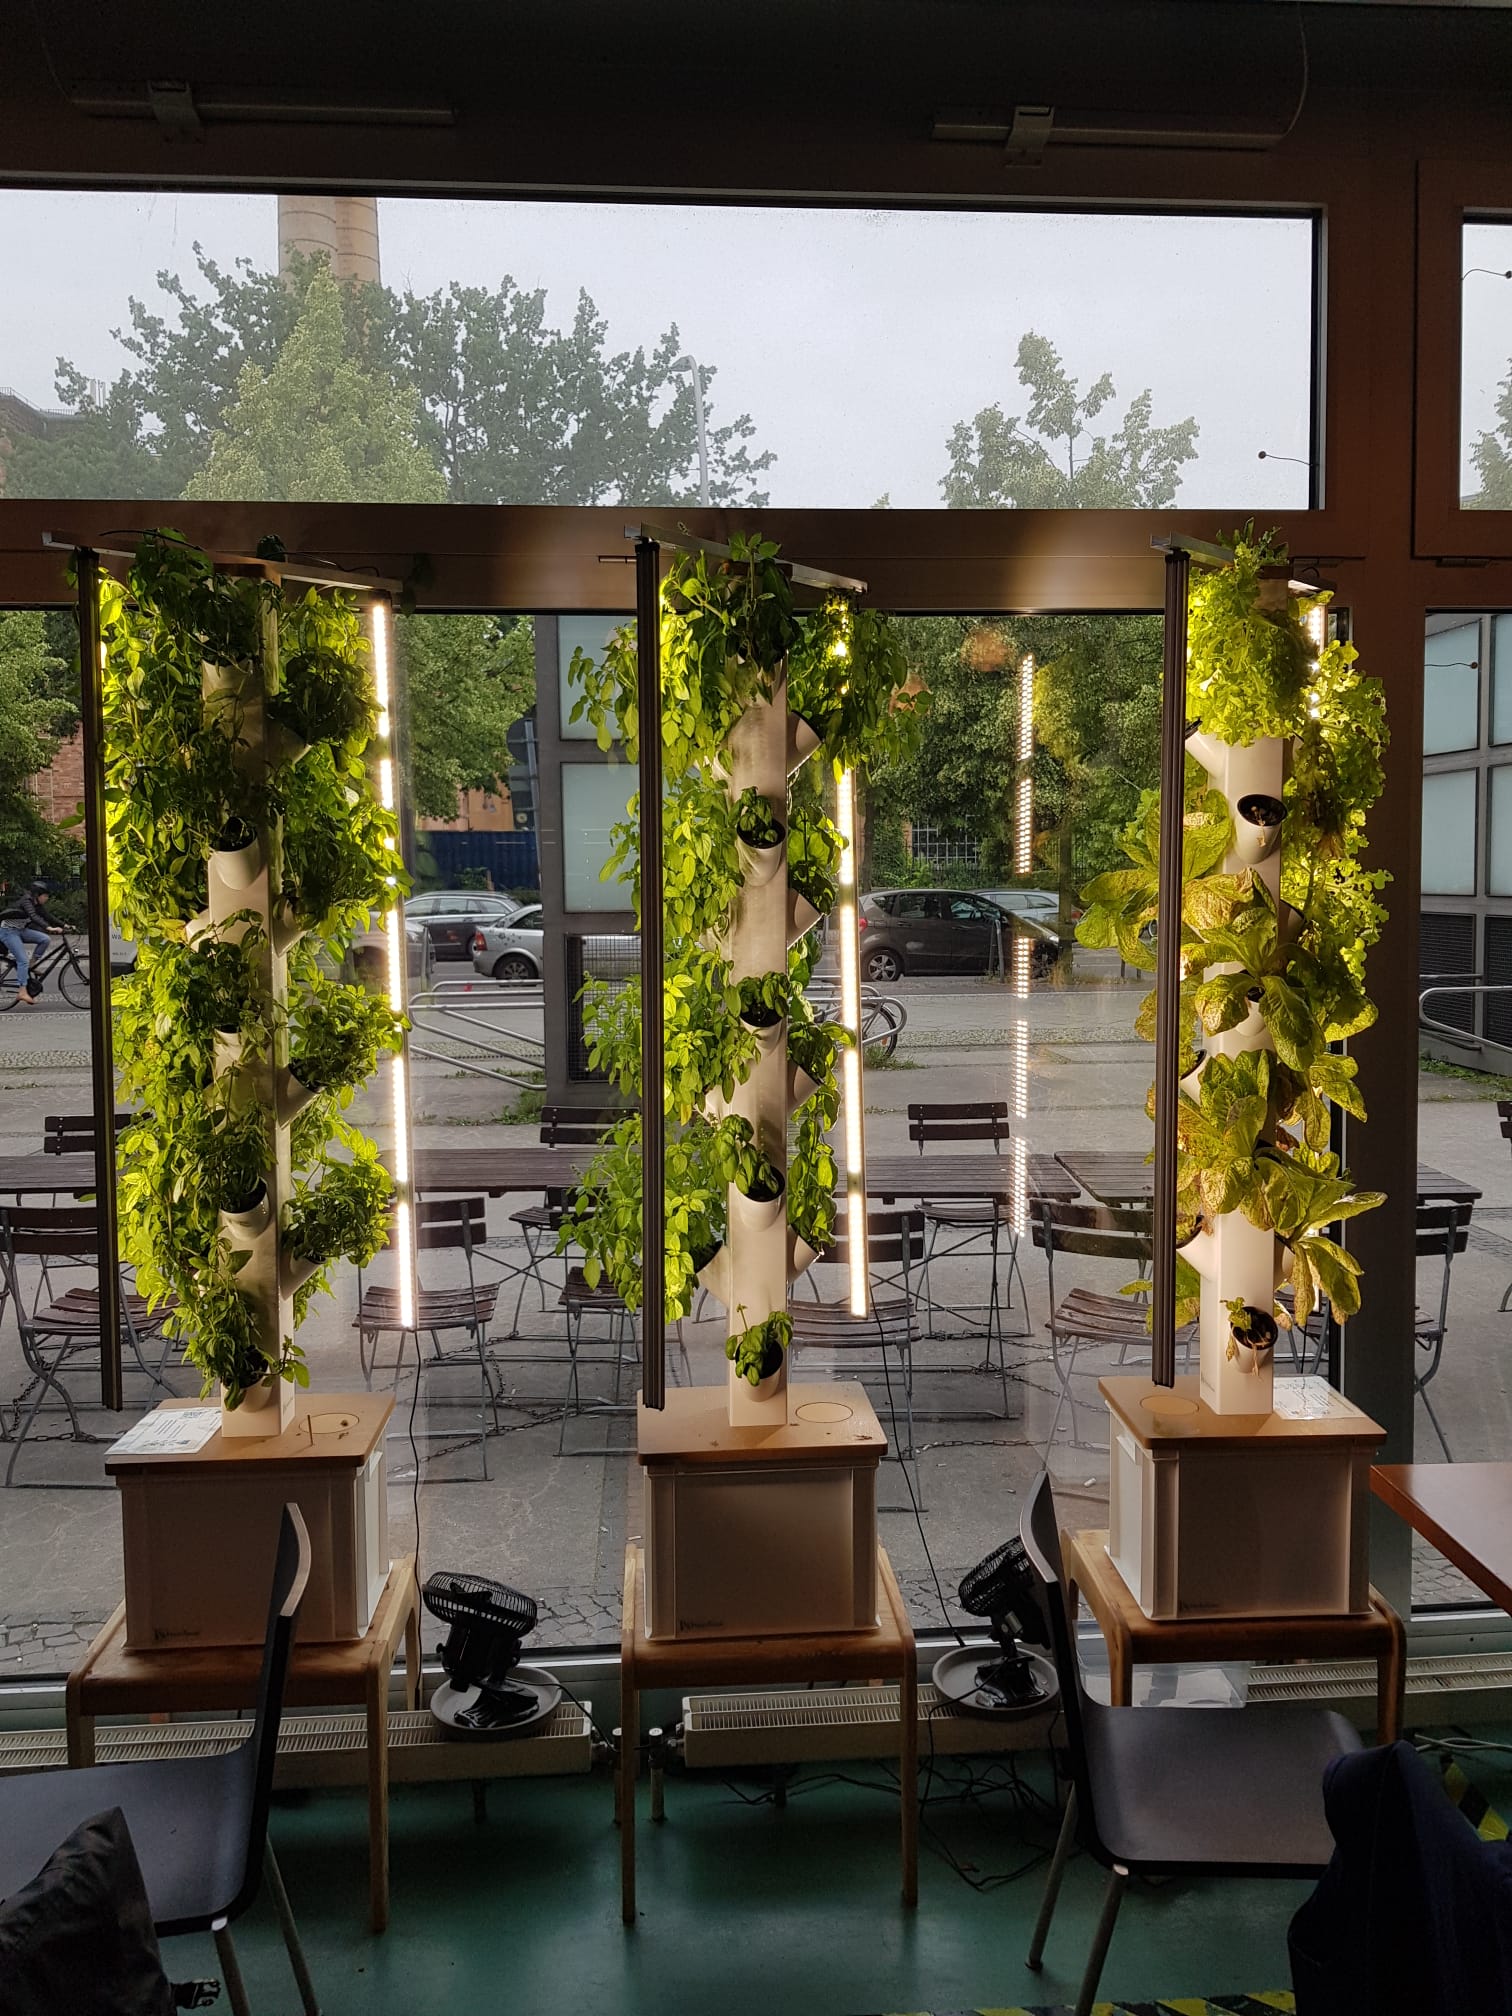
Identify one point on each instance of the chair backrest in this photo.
(291, 1573)
(74, 1133)
(50, 1231)
(1096, 1231)
(1040, 1534)
(983, 1120)
(577, 1126)
(1504, 1108)
(893, 1238)
(1442, 1230)
(451, 1221)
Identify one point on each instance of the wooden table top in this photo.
(1121, 1176)
(1155, 1414)
(330, 1431)
(46, 1175)
(113, 1679)
(828, 1423)
(1465, 1509)
(709, 1662)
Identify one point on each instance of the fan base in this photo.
(466, 1712)
(959, 1678)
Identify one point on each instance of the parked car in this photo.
(366, 958)
(1042, 905)
(451, 916)
(944, 931)
(516, 950)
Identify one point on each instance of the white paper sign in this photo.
(171, 1431)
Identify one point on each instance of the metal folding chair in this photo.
(974, 1225)
(561, 1127)
(894, 1240)
(1441, 1231)
(450, 1224)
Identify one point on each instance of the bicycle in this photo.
(73, 980)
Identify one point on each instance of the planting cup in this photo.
(800, 1086)
(254, 1220)
(759, 864)
(768, 1038)
(802, 741)
(292, 1095)
(714, 1276)
(801, 916)
(294, 1273)
(756, 1214)
(239, 867)
(284, 746)
(1257, 826)
(266, 1411)
(801, 1256)
(761, 1406)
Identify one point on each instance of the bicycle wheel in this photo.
(73, 979)
(879, 1032)
(8, 987)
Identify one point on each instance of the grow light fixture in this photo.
(1023, 841)
(850, 1015)
(380, 619)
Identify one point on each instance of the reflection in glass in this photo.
(1449, 834)
(1451, 689)
(594, 797)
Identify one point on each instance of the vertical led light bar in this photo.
(850, 1015)
(1023, 825)
(380, 615)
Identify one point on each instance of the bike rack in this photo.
(483, 999)
(883, 1016)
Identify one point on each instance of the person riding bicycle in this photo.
(24, 922)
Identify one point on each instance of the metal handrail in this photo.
(1451, 984)
(443, 998)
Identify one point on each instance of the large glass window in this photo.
(1449, 838)
(1451, 689)
(576, 353)
(1501, 679)
(1486, 368)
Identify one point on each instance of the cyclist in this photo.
(24, 923)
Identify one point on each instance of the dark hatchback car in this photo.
(945, 931)
(451, 916)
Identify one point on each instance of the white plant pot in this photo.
(801, 916)
(759, 864)
(756, 1214)
(284, 746)
(292, 1096)
(253, 1222)
(287, 929)
(768, 1038)
(238, 867)
(1257, 826)
(294, 1273)
(761, 1406)
(800, 1086)
(265, 1412)
(1191, 1084)
(802, 741)
(233, 682)
(714, 1277)
(801, 1256)
(228, 1052)
(1252, 1358)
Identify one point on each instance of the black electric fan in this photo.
(487, 1692)
(1004, 1589)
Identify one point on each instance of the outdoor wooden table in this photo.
(46, 1175)
(646, 1663)
(500, 1172)
(111, 1680)
(1120, 1176)
(1465, 1509)
(1136, 1640)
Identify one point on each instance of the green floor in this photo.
(743, 1909)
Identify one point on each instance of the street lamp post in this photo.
(695, 372)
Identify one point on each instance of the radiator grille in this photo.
(1447, 945)
(819, 1723)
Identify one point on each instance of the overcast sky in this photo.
(854, 339)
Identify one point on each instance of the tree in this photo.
(318, 426)
(33, 722)
(1492, 456)
(467, 680)
(998, 461)
(509, 409)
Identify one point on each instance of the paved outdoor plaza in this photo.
(556, 1524)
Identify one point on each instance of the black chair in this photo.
(977, 1225)
(1085, 1318)
(1176, 1791)
(1441, 1231)
(561, 1127)
(894, 1239)
(457, 1224)
(55, 1334)
(199, 1824)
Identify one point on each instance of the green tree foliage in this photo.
(468, 679)
(509, 409)
(34, 719)
(1050, 458)
(318, 425)
(1492, 456)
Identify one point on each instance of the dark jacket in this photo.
(27, 912)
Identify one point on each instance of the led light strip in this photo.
(381, 618)
(1023, 837)
(850, 1015)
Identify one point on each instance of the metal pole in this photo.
(1168, 967)
(97, 909)
(703, 435)
(653, 1120)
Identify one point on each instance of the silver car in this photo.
(516, 951)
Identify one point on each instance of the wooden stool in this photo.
(1136, 1640)
(718, 1662)
(111, 1680)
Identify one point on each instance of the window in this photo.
(1486, 368)
(1449, 848)
(1499, 860)
(1501, 679)
(1203, 324)
(1451, 689)
(594, 800)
